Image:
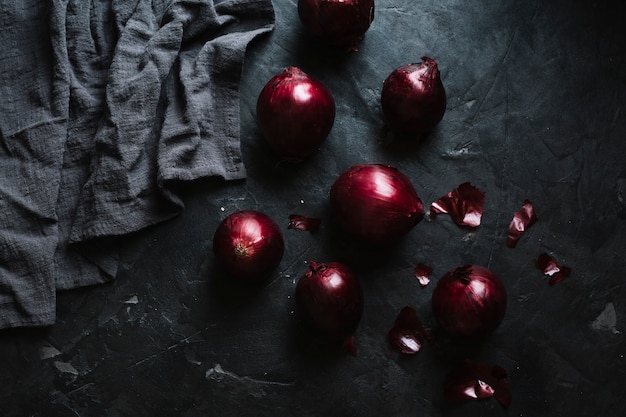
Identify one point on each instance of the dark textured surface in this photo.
(535, 96)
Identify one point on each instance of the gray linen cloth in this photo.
(104, 104)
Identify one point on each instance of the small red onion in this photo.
(342, 23)
(329, 301)
(469, 301)
(413, 98)
(248, 245)
(295, 114)
(375, 203)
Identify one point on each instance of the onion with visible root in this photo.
(248, 245)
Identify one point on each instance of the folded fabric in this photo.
(103, 106)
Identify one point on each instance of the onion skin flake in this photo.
(422, 272)
(408, 333)
(464, 204)
(550, 267)
(472, 380)
(522, 220)
(304, 223)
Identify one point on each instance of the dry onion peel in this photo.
(464, 204)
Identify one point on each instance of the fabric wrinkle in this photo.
(103, 106)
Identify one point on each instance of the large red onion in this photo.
(375, 203)
(248, 245)
(329, 300)
(342, 23)
(469, 301)
(295, 113)
(413, 98)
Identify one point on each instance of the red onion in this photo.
(329, 301)
(342, 23)
(469, 301)
(248, 245)
(413, 98)
(295, 113)
(375, 203)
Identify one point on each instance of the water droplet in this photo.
(222, 209)
(301, 201)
